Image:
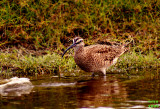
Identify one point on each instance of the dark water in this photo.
(101, 92)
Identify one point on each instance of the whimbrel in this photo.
(95, 58)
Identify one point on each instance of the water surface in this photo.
(86, 92)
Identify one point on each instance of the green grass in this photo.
(52, 63)
(133, 60)
(30, 65)
(52, 24)
(37, 25)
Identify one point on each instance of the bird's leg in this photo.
(104, 72)
(93, 75)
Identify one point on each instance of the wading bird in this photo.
(95, 58)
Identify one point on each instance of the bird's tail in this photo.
(126, 44)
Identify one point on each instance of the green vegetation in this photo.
(50, 25)
(30, 65)
(137, 60)
(18, 62)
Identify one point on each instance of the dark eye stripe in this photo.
(77, 39)
(74, 40)
(79, 42)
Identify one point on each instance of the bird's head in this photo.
(77, 42)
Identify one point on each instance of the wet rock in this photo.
(15, 86)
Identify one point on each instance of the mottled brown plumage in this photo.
(95, 58)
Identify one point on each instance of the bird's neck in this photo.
(78, 49)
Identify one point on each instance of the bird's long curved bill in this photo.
(68, 49)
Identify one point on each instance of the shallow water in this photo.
(109, 92)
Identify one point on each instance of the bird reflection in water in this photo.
(100, 92)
